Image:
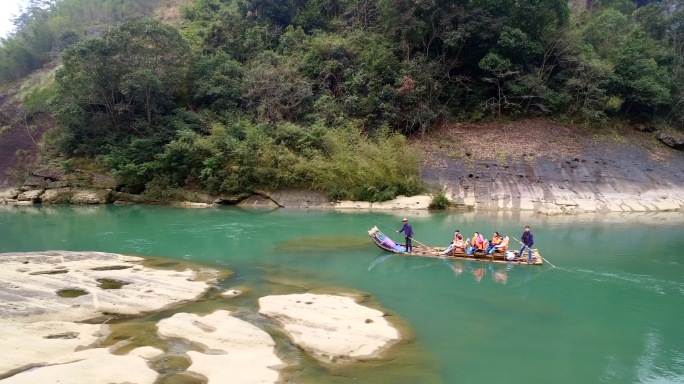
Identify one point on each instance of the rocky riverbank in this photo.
(534, 165)
(57, 307)
(549, 168)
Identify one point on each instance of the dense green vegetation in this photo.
(44, 28)
(246, 94)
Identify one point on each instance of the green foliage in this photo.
(439, 201)
(44, 28)
(120, 86)
(249, 94)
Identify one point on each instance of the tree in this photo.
(275, 89)
(128, 75)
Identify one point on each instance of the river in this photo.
(612, 312)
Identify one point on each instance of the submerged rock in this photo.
(234, 351)
(331, 328)
(31, 282)
(230, 293)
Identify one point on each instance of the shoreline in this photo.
(481, 196)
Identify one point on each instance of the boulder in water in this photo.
(234, 351)
(32, 195)
(331, 328)
(56, 196)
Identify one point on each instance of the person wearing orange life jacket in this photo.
(496, 240)
(457, 245)
(477, 242)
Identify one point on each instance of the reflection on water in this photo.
(324, 243)
(610, 313)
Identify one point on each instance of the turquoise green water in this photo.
(612, 313)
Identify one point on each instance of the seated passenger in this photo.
(476, 243)
(503, 246)
(496, 240)
(457, 245)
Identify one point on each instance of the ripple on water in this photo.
(636, 281)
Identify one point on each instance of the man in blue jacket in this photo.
(408, 234)
(527, 241)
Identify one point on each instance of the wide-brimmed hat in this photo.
(405, 219)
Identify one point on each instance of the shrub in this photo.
(439, 201)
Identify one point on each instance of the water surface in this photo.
(613, 312)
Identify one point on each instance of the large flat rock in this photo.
(92, 366)
(234, 351)
(29, 283)
(331, 328)
(25, 345)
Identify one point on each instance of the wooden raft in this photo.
(387, 244)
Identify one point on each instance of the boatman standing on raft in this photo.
(408, 234)
(527, 241)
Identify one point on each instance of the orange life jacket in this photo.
(478, 242)
(496, 240)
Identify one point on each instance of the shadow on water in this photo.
(327, 243)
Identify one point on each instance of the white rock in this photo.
(348, 204)
(230, 293)
(30, 282)
(147, 352)
(58, 195)
(90, 196)
(30, 195)
(331, 328)
(235, 351)
(400, 202)
(8, 193)
(27, 344)
(404, 202)
(92, 366)
(191, 204)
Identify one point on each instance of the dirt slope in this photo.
(14, 139)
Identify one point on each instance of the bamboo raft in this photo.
(387, 244)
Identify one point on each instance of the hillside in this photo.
(234, 96)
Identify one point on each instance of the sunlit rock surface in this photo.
(72, 286)
(25, 345)
(92, 366)
(331, 328)
(233, 351)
